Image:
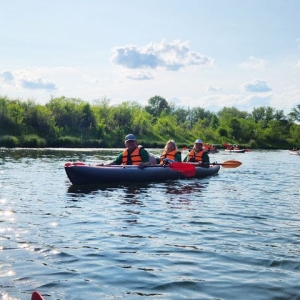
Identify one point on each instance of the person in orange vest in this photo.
(133, 154)
(198, 154)
(170, 153)
(207, 147)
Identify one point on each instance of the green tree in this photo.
(88, 120)
(295, 113)
(214, 122)
(295, 135)
(157, 105)
(166, 127)
(39, 119)
(236, 127)
(222, 132)
(231, 112)
(198, 113)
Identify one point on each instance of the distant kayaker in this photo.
(198, 154)
(170, 153)
(133, 154)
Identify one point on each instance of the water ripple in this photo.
(225, 237)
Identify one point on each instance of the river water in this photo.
(235, 235)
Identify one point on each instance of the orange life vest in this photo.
(193, 156)
(135, 156)
(169, 155)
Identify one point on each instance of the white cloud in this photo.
(8, 77)
(216, 102)
(38, 84)
(140, 76)
(287, 99)
(46, 72)
(213, 89)
(255, 100)
(171, 56)
(256, 86)
(254, 63)
(36, 78)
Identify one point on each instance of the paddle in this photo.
(228, 164)
(36, 296)
(188, 170)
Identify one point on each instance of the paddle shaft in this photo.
(227, 164)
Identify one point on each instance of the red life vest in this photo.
(135, 156)
(169, 155)
(193, 156)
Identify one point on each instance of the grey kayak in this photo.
(82, 174)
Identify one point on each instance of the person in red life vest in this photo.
(133, 154)
(198, 154)
(170, 153)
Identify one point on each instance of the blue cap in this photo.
(130, 137)
(198, 142)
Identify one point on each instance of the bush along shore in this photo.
(75, 123)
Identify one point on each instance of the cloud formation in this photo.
(256, 86)
(38, 84)
(8, 76)
(140, 76)
(171, 56)
(213, 89)
(254, 63)
(23, 78)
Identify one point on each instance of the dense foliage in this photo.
(71, 122)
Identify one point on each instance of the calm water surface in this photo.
(231, 236)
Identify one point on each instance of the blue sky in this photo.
(194, 53)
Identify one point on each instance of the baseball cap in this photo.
(198, 142)
(130, 137)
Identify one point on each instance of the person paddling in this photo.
(198, 154)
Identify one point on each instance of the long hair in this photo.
(170, 142)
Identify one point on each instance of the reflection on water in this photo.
(214, 238)
(180, 186)
(86, 189)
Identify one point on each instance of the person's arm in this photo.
(205, 160)
(145, 156)
(117, 160)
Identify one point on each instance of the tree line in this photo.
(73, 122)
